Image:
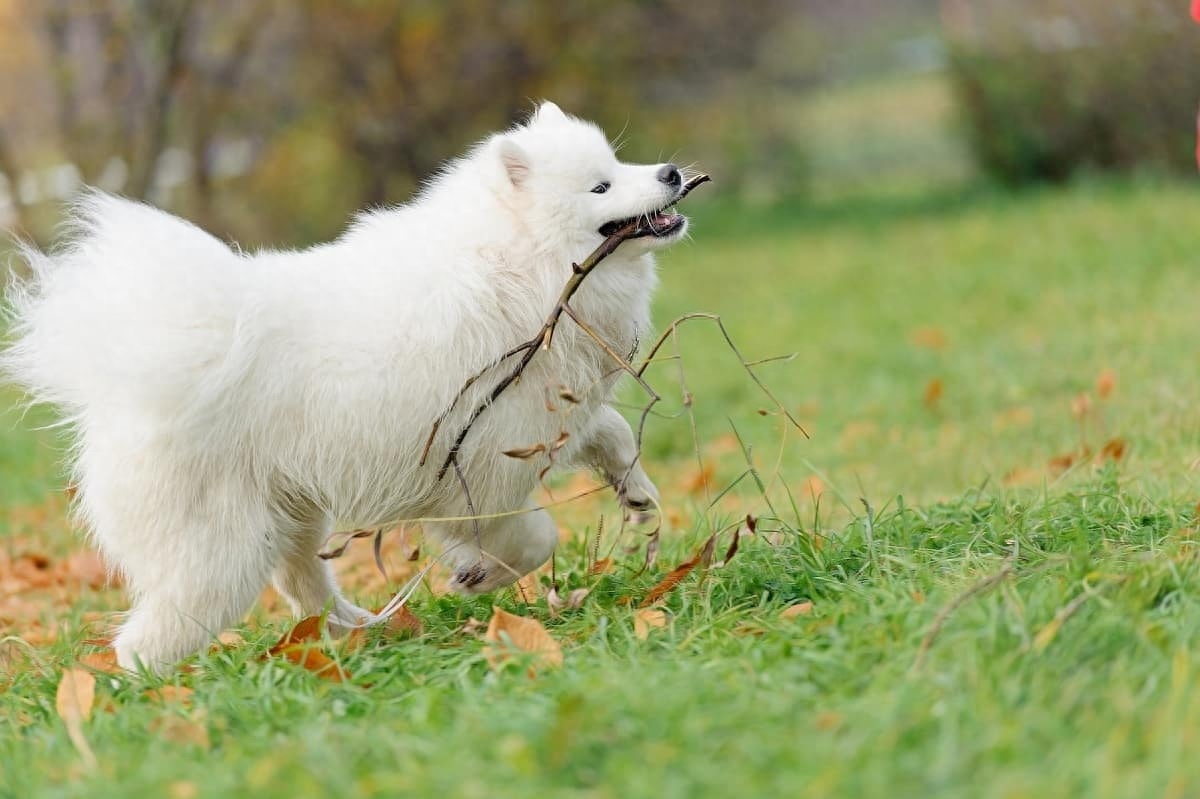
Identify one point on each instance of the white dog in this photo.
(227, 408)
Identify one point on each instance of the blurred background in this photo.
(272, 121)
(964, 216)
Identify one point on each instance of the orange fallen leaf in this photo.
(933, 393)
(799, 609)
(405, 624)
(1106, 381)
(1114, 449)
(1081, 405)
(1060, 463)
(646, 618)
(677, 575)
(310, 658)
(170, 693)
(76, 695)
(700, 481)
(104, 661)
(230, 639)
(307, 630)
(507, 632)
(602, 566)
(179, 730)
(931, 338)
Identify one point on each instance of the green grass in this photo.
(1034, 295)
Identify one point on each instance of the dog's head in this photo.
(568, 179)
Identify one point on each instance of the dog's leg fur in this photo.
(306, 581)
(609, 448)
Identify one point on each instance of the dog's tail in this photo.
(136, 300)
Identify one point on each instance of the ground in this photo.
(976, 576)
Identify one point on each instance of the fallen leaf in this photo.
(576, 597)
(933, 393)
(1081, 405)
(1106, 381)
(677, 575)
(405, 624)
(814, 487)
(170, 693)
(930, 338)
(1060, 463)
(646, 618)
(602, 566)
(507, 632)
(103, 661)
(309, 657)
(182, 731)
(700, 481)
(1113, 449)
(230, 639)
(75, 695)
(307, 630)
(794, 611)
(181, 789)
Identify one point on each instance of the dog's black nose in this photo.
(669, 174)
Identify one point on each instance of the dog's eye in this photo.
(601, 187)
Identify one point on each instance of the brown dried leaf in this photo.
(1081, 405)
(1114, 449)
(507, 632)
(1060, 463)
(1106, 382)
(700, 481)
(170, 693)
(677, 575)
(104, 661)
(794, 611)
(930, 338)
(646, 618)
(576, 597)
(307, 630)
(230, 639)
(179, 730)
(602, 566)
(405, 624)
(309, 657)
(524, 453)
(934, 390)
(75, 696)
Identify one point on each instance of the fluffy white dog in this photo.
(227, 408)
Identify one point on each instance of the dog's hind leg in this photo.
(306, 581)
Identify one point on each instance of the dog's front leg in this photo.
(609, 447)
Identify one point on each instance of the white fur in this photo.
(228, 408)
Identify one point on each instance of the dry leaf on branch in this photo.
(508, 633)
(646, 618)
(677, 575)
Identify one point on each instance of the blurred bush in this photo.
(270, 120)
(1047, 87)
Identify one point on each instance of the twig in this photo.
(986, 584)
(541, 341)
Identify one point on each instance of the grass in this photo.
(1075, 676)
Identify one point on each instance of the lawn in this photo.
(986, 599)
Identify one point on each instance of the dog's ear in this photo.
(549, 112)
(515, 160)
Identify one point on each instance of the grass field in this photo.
(1009, 613)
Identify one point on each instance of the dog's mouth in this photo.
(659, 224)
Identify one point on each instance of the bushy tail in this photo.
(124, 313)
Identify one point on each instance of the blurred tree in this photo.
(340, 104)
